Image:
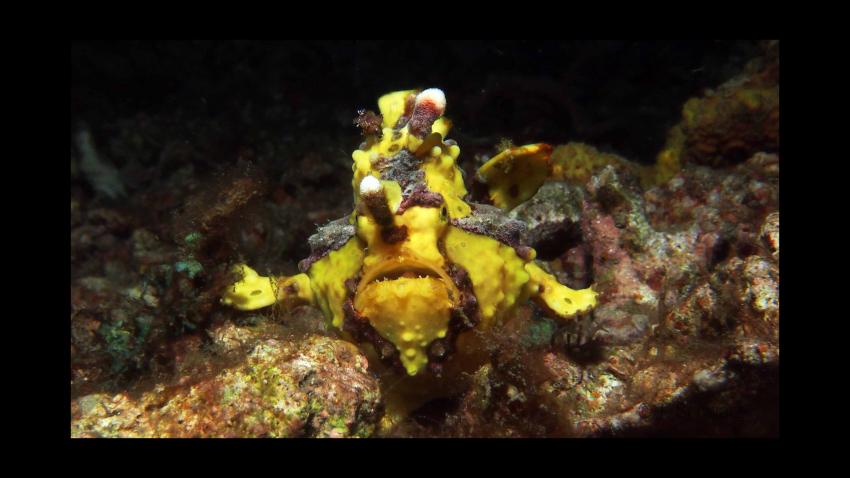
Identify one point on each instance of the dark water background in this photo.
(620, 96)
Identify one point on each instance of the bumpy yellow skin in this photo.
(403, 288)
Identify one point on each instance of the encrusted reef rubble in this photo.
(730, 124)
(313, 387)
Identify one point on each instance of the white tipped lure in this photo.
(435, 97)
(372, 194)
(429, 105)
(370, 185)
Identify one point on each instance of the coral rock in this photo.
(318, 387)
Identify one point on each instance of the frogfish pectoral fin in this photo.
(514, 175)
(254, 291)
(557, 299)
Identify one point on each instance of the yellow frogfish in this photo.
(417, 265)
